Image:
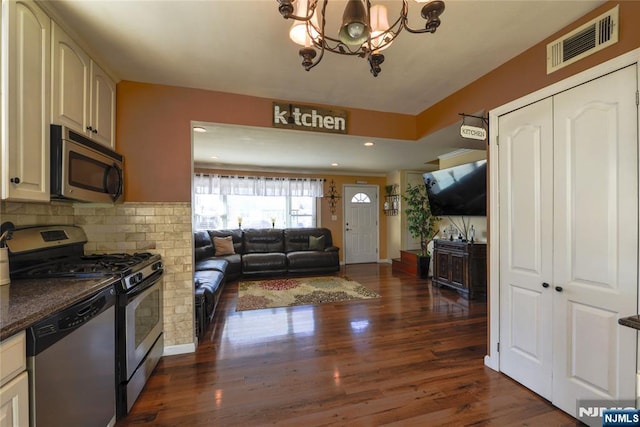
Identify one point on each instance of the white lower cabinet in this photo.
(14, 402)
(14, 382)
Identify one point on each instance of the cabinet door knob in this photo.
(545, 285)
(95, 131)
(559, 288)
(89, 128)
(15, 180)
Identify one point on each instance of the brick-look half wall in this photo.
(163, 228)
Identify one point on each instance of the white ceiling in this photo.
(242, 46)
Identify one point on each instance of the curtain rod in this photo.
(264, 177)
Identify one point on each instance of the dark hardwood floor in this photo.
(413, 357)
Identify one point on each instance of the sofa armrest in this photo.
(332, 249)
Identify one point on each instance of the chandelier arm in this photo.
(308, 64)
(431, 12)
(310, 11)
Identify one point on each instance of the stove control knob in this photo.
(157, 266)
(135, 279)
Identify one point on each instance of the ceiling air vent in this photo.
(589, 38)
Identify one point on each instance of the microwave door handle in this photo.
(118, 192)
(120, 183)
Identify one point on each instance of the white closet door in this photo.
(526, 220)
(595, 240)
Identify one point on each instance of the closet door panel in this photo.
(526, 185)
(595, 240)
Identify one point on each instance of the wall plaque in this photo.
(473, 132)
(305, 117)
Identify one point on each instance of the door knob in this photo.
(15, 180)
(545, 285)
(559, 288)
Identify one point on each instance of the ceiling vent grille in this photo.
(585, 40)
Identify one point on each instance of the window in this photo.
(360, 198)
(214, 211)
(290, 203)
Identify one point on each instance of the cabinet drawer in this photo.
(14, 357)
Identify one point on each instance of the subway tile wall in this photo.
(163, 228)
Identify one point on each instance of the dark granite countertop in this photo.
(24, 302)
(630, 321)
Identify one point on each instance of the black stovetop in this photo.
(87, 266)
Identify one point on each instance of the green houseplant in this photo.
(421, 224)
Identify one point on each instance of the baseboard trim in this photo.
(172, 350)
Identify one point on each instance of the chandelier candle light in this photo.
(365, 29)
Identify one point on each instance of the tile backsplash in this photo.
(163, 228)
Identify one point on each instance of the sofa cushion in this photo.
(223, 245)
(316, 243)
(310, 260)
(263, 240)
(297, 239)
(274, 262)
(203, 247)
(212, 264)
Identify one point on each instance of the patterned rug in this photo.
(253, 295)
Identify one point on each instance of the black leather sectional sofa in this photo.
(222, 255)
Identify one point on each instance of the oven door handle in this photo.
(143, 286)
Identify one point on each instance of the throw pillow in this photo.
(223, 245)
(316, 243)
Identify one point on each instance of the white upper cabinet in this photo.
(26, 97)
(84, 97)
(103, 107)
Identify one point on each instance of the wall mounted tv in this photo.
(459, 190)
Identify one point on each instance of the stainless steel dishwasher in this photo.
(71, 363)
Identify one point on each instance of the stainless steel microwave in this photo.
(84, 170)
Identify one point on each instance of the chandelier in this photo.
(365, 29)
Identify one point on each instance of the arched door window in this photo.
(360, 198)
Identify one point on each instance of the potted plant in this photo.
(421, 224)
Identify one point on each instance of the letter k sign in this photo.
(278, 116)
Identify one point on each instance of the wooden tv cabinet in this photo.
(461, 266)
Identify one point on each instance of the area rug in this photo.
(253, 295)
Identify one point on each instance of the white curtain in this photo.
(257, 185)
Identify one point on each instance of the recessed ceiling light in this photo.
(369, 144)
(214, 157)
(334, 164)
(199, 129)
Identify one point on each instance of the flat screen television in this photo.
(459, 190)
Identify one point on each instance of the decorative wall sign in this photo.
(473, 132)
(304, 117)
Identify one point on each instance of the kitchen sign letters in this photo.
(303, 117)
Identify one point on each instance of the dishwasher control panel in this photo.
(46, 332)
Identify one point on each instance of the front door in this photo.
(360, 224)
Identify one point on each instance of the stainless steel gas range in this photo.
(136, 342)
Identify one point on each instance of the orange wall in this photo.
(153, 121)
(527, 72)
(334, 226)
(154, 135)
